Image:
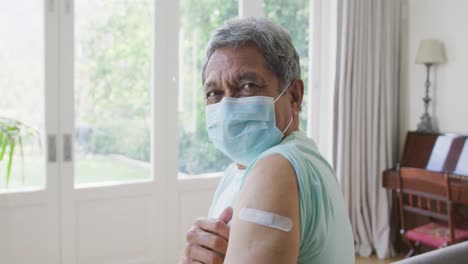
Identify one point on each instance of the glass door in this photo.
(29, 196)
(22, 96)
(112, 88)
(110, 197)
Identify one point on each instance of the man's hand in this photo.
(208, 239)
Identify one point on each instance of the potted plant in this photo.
(12, 133)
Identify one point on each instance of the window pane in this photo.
(293, 15)
(113, 43)
(22, 91)
(199, 19)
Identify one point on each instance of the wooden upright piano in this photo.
(435, 152)
(445, 153)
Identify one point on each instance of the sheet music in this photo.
(462, 165)
(439, 153)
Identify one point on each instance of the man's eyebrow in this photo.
(250, 76)
(209, 84)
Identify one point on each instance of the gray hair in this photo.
(273, 41)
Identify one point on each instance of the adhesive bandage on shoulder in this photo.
(265, 218)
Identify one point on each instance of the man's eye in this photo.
(249, 86)
(213, 97)
(211, 94)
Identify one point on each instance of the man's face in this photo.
(242, 72)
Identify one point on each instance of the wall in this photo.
(446, 20)
(194, 197)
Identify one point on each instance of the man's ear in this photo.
(297, 93)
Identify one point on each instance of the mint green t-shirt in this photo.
(326, 235)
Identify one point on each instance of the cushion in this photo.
(435, 235)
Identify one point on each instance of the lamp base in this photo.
(425, 125)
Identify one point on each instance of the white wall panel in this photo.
(113, 230)
(23, 230)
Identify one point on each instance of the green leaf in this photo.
(10, 161)
(3, 146)
(20, 141)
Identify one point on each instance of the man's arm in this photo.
(270, 186)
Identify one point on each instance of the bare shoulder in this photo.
(270, 182)
(271, 186)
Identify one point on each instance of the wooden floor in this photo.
(375, 260)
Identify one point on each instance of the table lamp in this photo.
(430, 52)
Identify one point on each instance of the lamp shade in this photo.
(430, 51)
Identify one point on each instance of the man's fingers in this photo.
(198, 253)
(207, 240)
(215, 226)
(226, 215)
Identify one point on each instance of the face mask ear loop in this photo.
(281, 94)
(289, 125)
(292, 116)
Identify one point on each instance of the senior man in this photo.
(280, 201)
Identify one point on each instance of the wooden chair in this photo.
(427, 193)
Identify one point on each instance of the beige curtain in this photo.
(366, 111)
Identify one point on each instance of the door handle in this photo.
(67, 147)
(51, 148)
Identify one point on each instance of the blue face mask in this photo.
(243, 128)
